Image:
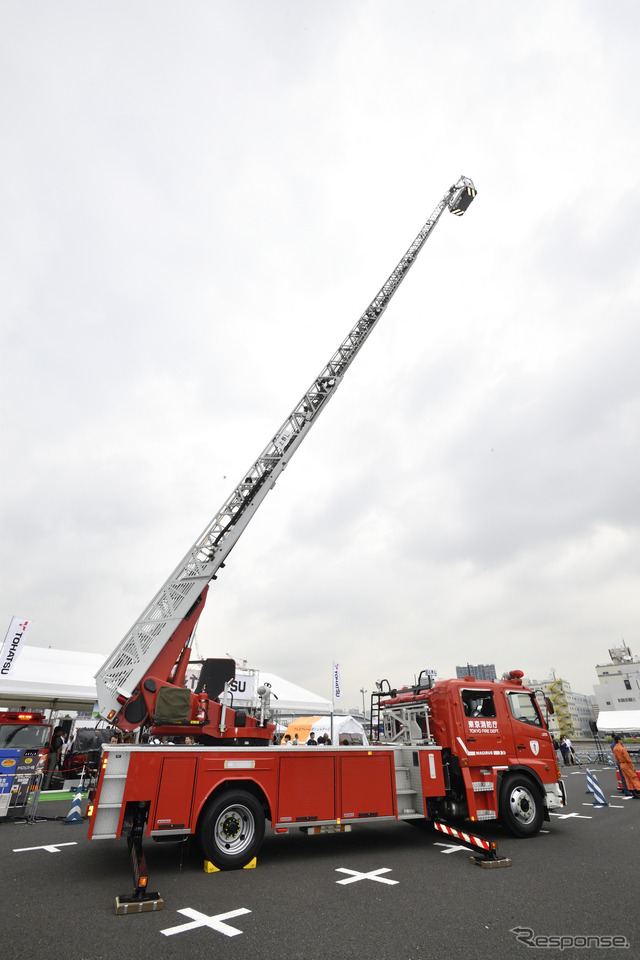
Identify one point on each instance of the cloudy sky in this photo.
(198, 202)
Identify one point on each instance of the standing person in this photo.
(312, 742)
(572, 754)
(57, 743)
(295, 742)
(626, 767)
(564, 750)
(623, 785)
(287, 740)
(67, 752)
(55, 756)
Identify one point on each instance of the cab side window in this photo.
(478, 703)
(524, 708)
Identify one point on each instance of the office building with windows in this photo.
(481, 671)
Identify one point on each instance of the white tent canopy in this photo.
(43, 678)
(619, 721)
(346, 726)
(287, 698)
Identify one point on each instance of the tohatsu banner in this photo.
(337, 684)
(12, 645)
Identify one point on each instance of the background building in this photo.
(481, 671)
(574, 714)
(619, 682)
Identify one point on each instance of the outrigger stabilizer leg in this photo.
(486, 850)
(142, 899)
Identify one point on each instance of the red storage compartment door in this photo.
(431, 773)
(307, 788)
(367, 786)
(175, 793)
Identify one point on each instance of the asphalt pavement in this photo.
(385, 891)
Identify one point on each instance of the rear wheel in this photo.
(521, 809)
(231, 830)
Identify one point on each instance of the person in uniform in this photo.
(626, 767)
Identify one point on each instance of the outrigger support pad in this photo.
(142, 899)
(486, 850)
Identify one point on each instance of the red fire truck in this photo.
(454, 748)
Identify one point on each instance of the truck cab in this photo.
(497, 754)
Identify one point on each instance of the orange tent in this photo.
(302, 726)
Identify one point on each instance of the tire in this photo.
(231, 829)
(521, 806)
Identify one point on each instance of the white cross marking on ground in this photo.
(49, 847)
(449, 847)
(202, 920)
(567, 816)
(373, 875)
(603, 806)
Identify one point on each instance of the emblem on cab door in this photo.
(535, 747)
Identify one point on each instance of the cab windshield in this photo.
(19, 736)
(524, 708)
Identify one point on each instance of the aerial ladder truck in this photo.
(457, 749)
(142, 683)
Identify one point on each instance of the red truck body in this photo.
(458, 749)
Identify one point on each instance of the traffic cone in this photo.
(594, 787)
(75, 811)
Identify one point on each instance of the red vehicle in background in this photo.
(25, 739)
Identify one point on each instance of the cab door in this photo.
(532, 744)
(485, 741)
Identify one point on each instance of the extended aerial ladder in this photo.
(142, 682)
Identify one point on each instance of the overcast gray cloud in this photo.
(198, 203)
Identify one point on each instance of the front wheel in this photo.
(231, 830)
(521, 809)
